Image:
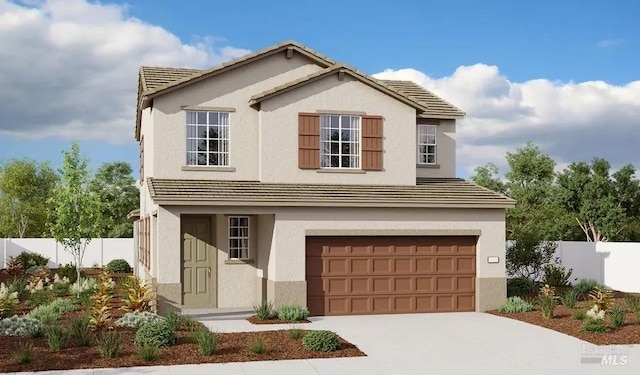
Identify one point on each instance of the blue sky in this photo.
(496, 59)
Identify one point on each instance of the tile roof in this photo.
(428, 192)
(154, 77)
(436, 106)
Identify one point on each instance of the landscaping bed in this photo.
(253, 319)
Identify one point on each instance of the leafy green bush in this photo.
(264, 310)
(155, 334)
(118, 266)
(633, 304)
(70, 272)
(57, 337)
(569, 298)
(80, 331)
(580, 315)
(515, 305)
(176, 321)
(109, 343)
(321, 341)
(206, 340)
(586, 286)
(258, 346)
(60, 289)
(18, 284)
(8, 301)
(618, 316)
(292, 312)
(137, 318)
(593, 326)
(296, 333)
(21, 326)
(53, 311)
(40, 297)
(519, 287)
(30, 260)
(556, 275)
(149, 353)
(25, 352)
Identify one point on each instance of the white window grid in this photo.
(207, 138)
(239, 237)
(427, 144)
(340, 139)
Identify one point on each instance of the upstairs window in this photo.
(339, 141)
(207, 138)
(427, 144)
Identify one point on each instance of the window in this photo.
(238, 237)
(207, 138)
(340, 141)
(426, 144)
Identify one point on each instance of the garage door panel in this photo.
(380, 275)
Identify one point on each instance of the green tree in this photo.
(25, 186)
(74, 209)
(117, 193)
(488, 176)
(627, 188)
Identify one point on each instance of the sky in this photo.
(562, 74)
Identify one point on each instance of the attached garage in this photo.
(352, 275)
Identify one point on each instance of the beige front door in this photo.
(198, 262)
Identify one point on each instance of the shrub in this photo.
(519, 287)
(118, 266)
(109, 343)
(136, 319)
(53, 311)
(155, 334)
(57, 337)
(585, 286)
(528, 253)
(18, 284)
(206, 340)
(149, 353)
(556, 275)
(70, 272)
(30, 260)
(593, 326)
(258, 346)
(84, 286)
(21, 326)
(547, 301)
(515, 305)
(292, 312)
(264, 310)
(633, 304)
(8, 301)
(321, 341)
(602, 298)
(60, 289)
(296, 333)
(80, 331)
(137, 295)
(25, 352)
(569, 298)
(580, 315)
(617, 316)
(14, 268)
(40, 297)
(175, 321)
(595, 313)
(100, 312)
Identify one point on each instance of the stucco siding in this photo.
(445, 151)
(229, 90)
(279, 132)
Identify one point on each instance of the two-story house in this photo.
(288, 177)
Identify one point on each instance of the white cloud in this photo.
(610, 43)
(71, 67)
(570, 121)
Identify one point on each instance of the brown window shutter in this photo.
(308, 140)
(372, 143)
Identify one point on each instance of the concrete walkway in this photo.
(459, 343)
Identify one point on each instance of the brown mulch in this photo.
(253, 319)
(564, 322)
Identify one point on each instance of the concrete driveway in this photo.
(449, 343)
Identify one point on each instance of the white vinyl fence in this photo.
(100, 251)
(614, 264)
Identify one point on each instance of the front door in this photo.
(198, 262)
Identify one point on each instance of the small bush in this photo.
(617, 316)
(519, 287)
(206, 340)
(40, 297)
(136, 319)
(296, 333)
(137, 295)
(569, 298)
(602, 298)
(109, 343)
(84, 286)
(547, 301)
(100, 311)
(593, 326)
(57, 337)
(556, 275)
(21, 326)
(292, 313)
(585, 286)
(8, 301)
(80, 331)
(25, 352)
(633, 304)
(53, 311)
(60, 289)
(264, 310)
(31, 260)
(18, 285)
(515, 305)
(258, 346)
(70, 272)
(321, 341)
(155, 334)
(149, 353)
(118, 266)
(580, 315)
(176, 321)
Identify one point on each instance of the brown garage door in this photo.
(381, 275)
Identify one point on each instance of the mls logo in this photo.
(614, 360)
